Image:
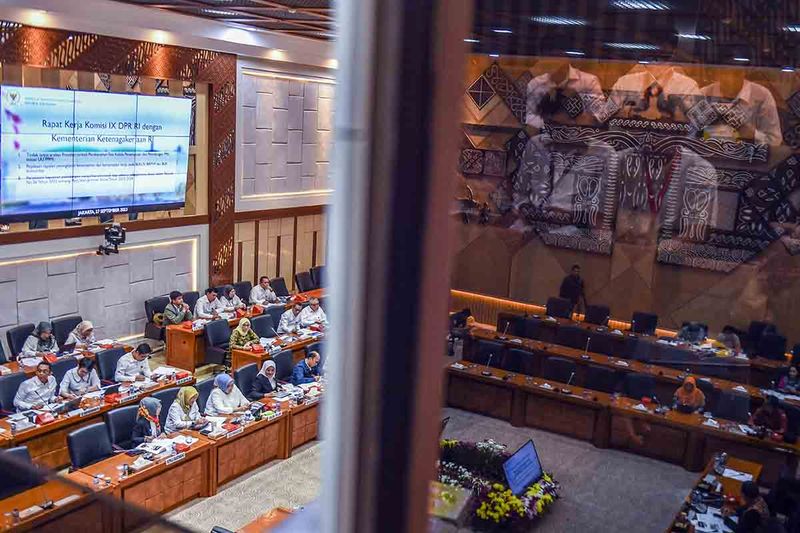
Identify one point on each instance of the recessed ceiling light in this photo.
(741, 59)
(574, 53)
(632, 46)
(787, 69)
(640, 5)
(472, 40)
(644, 62)
(494, 55)
(794, 28)
(501, 30)
(221, 13)
(694, 36)
(558, 21)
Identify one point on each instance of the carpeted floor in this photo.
(289, 483)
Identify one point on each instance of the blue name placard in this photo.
(523, 468)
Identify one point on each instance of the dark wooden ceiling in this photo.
(304, 18)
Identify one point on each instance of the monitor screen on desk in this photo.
(523, 468)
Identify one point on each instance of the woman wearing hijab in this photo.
(225, 397)
(230, 299)
(40, 342)
(82, 335)
(243, 336)
(184, 413)
(689, 397)
(264, 383)
(147, 426)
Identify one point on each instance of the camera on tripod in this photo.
(114, 236)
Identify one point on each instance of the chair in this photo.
(275, 312)
(732, 406)
(304, 282)
(638, 386)
(572, 336)
(510, 323)
(484, 350)
(19, 472)
(262, 325)
(190, 298)
(3, 356)
(754, 332)
(88, 445)
(244, 377)
(318, 275)
(120, 424)
(772, 346)
(597, 314)
(243, 289)
(520, 361)
(62, 327)
(601, 379)
(558, 369)
(701, 325)
(645, 323)
(218, 337)
(559, 307)
(151, 308)
(792, 417)
(605, 343)
(62, 366)
(204, 389)
(8, 389)
(284, 364)
(316, 347)
(535, 328)
(107, 363)
(709, 391)
(17, 336)
(166, 396)
(279, 286)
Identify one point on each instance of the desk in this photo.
(15, 366)
(606, 421)
(240, 357)
(304, 424)
(729, 486)
(47, 444)
(267, 521)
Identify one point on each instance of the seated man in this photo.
(40, 342)
(770, 416)
(307, 370)
(313, 315)
(290, 320)
(133, 366)
(692, 332)
(37, 391)
(754, 512)
(209, 306)
(262, 294)
(177, 310)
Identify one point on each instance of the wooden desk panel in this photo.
(661, 441)
(770, 455)
(240, 358)
(560, 417)
(185, 348)
(473, 394)
(304, 424)
(259, 444)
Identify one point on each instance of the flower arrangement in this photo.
(479, 468)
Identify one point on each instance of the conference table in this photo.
(17, 366)
(243, 356)
(186, 347)
(609, 420)
(667, 379)
(729, 487)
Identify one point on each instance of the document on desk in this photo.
(736, 475)
(640, 407)
(709, 522)
(30, 361)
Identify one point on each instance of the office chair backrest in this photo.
(279, 286)
(244, 377)
(107, 362)
(243, 289)
(190, 298)
(62, 327)
(166, 396)
(275, 312)
(597, 314)
(601, 379)
(217, 333)
(732, 406)
(756, 329)
(19, 472)
(520, 361)
(3, 356)
(62, 366)
(572, 336)
(318, 275)
(262, 326)
(304, 282)
(510, 323)
(120, 424)
(559, 307)
(283, 365)
(642, 322)
(316, 347)
(558, 369)
(155, 305)
(89, 444)
(8, 389)
(792, 417)
(17, 336)
(204, 389)
(709, 391)
(605, 343)
(772, 346)
(484, 350)
(638, 386)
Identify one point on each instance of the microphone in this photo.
(45, 403)
(565, 390)
(586, 348)
(570, 378)
(503, 336)
(488, 362)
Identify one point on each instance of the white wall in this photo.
(108, 290)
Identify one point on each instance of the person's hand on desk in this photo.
(37, 406)
(69, 396)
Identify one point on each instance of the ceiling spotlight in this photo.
(632, 46)
(502, 30)
(741, 59)
(646, 5)
(221, 13)
(494, 55)
(574, 53)
(472, 41)
(787, 69)
(694, 36)
(558, 21)
(793, 28)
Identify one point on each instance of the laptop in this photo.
(68, 406)
(67, 349)
(111, 389)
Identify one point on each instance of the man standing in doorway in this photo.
(572, 288)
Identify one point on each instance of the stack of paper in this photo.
(165, 371)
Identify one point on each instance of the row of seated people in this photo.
(44, 339)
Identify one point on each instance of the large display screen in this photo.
(70, 153)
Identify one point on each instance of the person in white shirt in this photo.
(209, 306)
(184, 413)
(36, 392)
(262, 293)
(570, 82)
(230, 300)
(753, 109)
(133, 366)
(290, 320)
(80, 380)
(225, 398)
(40, 342)
(82, 335)
(313, 314)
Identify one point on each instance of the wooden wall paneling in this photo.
(266, 253)
(287, 251)
(247, 239)
(322, 239)
(51, 77)
(305, 242)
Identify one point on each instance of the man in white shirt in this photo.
(579, 88)
(262, 293)
(752, 114)
(209, 306)
(313, 315)
(134, 366)
(36, 392)
(290, 320)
